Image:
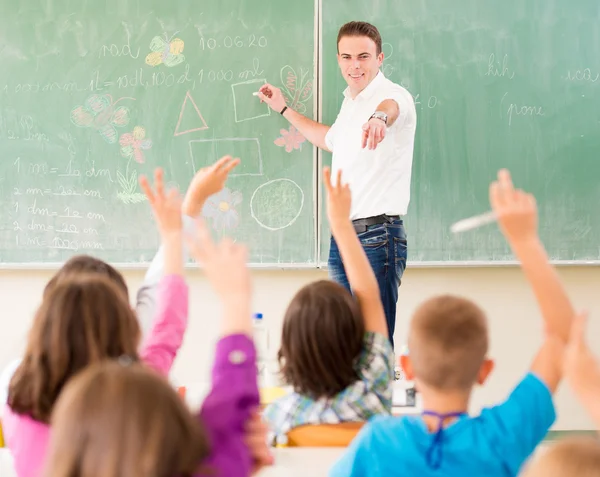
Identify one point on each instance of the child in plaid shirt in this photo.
(335, 351)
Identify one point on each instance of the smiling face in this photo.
(359, 61)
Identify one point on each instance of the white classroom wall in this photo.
(502, 292)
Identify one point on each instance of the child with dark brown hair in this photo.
(449, 342)
(335, 351)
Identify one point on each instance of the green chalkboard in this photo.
(497, 84)
(93, 94)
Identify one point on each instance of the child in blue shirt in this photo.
(448, 342)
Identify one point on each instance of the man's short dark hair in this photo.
(360, 29)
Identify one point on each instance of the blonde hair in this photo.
(448, 342)
(117, 420)
(570, 457)
(83, 318)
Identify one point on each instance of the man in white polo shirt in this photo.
(372, 142)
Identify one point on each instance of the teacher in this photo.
(372, 142)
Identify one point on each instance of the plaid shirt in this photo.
(370, 395)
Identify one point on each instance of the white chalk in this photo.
(473, 222)
(255, 93)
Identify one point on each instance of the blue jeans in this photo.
(386, 248)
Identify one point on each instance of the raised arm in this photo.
(358, 269)
(234, 392)
(516, 212)
(206, 182)
(166, 336)
(314, 131)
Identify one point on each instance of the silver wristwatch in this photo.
(380, 115)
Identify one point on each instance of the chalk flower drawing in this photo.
(296, 91)
(99, 112)
(220, 207)
(134, 143)
(129, 185)
(167, 51)
(291, 139)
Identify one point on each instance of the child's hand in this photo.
(516, 211)
(579, 360)
(255, 437)
(224, 264)
(206, 182)
(339, 200)
(166, 208)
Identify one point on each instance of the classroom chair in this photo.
(324, 435)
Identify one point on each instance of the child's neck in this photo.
(442, 402)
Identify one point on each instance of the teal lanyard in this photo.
(434, 453)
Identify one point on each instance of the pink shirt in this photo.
(28, 439)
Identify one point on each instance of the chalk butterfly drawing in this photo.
(296, 90)
(100, 113)
(165, 51)
(134, 143)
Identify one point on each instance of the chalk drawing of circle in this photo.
(276, 204)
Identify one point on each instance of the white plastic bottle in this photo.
(261, 341)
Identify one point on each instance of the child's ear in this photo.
(406, 365)
(486, 368)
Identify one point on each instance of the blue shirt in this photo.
(495, 443)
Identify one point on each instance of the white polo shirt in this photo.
(379, 179)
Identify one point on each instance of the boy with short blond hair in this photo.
(448, 342)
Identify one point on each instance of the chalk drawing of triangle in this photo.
(191, 117)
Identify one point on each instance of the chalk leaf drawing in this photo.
(296, 90)
(221, 209)
(128, 183)
(134, 143)
(290, 138)
(167, 51)
(100, 113)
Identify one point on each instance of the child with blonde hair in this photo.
(448, 342)
(115, 420)
(335, 351)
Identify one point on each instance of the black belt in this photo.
(360, 225)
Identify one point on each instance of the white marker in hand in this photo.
(473, 222)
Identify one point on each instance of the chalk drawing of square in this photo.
(245, 105)
(205, 152)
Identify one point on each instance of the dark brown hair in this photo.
(87, 264)
(113, 420)
(448, 342)
(322, 338)
(360, 29)
(82, 319)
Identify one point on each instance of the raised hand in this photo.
(207, 181)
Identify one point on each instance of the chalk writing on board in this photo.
(232, 42)
(499, 69)
(296, 89)
(188, 102)
(134, 143)
(582, 75)
(277, 204)
(245, 106)
(221, 209)
(167, 51)
(387, 68)
(290, 139)
(114, 50)
(514, 109)
(99, 112)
